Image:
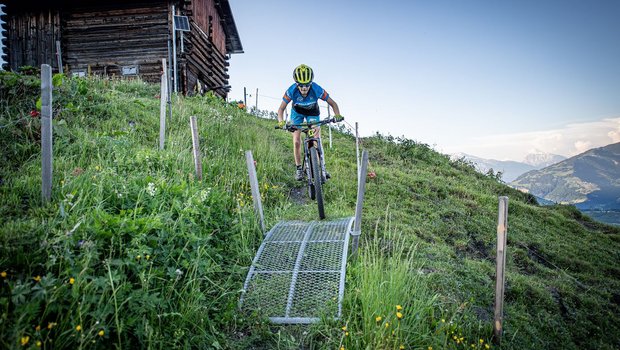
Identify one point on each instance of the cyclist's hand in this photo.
(281, 124)
(338, 118)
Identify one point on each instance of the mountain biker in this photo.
(305, 95)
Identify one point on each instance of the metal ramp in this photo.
(298, 273)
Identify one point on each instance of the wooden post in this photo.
(256, 101)
(46, 132)
(258, 206)
(163, 98)
(196, 146)
(245, 98)
(361, 189)
(500, 278)
(59, 56)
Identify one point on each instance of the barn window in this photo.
(78, 73)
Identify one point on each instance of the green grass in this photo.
(139, 254)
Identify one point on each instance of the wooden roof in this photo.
(233, 42)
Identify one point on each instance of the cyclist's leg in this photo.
(297, 147)
(297, 119)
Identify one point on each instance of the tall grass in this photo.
(391, 296)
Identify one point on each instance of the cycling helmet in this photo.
(303, 74)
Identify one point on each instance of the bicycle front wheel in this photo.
(316, 178)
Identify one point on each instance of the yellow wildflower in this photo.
(138, 257)
(378, 318)
(399, 315)
(430, 348)
(71, 280)
(78, 328)
(37, 328)
(37, 278)
(398, 307)
(344, 328)
(402, 347)
(3, 274)
(346, 334)
(148, 257)
(50, 325)
(101, 333)
(342, 348)
(387, 324)
(481, 341)
(39, 343)
(443, 320)
(486, 346)
(25, 340)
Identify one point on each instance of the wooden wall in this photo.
(206, 16)
(106, 39)
(204, 63)
(31, 38)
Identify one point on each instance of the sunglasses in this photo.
(304, 85)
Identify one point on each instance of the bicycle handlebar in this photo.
(307, 126)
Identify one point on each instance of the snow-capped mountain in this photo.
(541, 160)
(511, 169)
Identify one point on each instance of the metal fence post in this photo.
(258, 206)
(46, 132)
(361, 189)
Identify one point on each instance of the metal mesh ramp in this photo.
(298, 273)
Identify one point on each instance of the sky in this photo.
(495, 79)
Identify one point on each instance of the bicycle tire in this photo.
(317, 179)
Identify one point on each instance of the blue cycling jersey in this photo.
(305, 108)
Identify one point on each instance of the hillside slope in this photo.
(590, 180)
(134, 252)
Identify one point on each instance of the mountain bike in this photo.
(313, 163)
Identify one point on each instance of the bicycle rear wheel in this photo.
(316, 178)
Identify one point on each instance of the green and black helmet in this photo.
(303, 74)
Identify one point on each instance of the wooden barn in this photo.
(126, 39)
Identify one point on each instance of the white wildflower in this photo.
(150, 189)
(204, 194)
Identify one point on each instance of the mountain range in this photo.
(590, 180)
(512, 169)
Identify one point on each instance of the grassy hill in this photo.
(134, 252)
